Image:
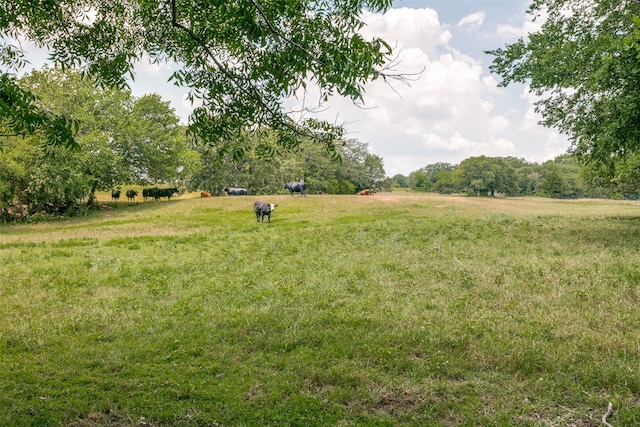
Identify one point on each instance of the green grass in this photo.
(414, 310)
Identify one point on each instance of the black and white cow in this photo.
(233, 191)
(115, 195)
(263, 209)
(296, 187)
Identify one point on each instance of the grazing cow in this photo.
(320, 193)
(131, 195)
(365, 192)
(263, 209)
(233, 191)
(115, 195)
(205, 194)
(150, 192)
(296, 187)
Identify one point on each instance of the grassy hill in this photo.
(393, 309)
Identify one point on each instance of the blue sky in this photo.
(452, 112)
(455, 109)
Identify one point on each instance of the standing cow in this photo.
(233, 191)
(115, 195)
(150, 193)
(167, 192)
(263, 209)
(296, 187)
(131, 195)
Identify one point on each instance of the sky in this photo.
(454, 109)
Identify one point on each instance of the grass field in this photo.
(389, 310)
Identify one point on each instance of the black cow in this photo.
(233, 191)
(115, 195)
(131, 195)
(167, 192)
(263, 209)
(296, 187)
(150, 192)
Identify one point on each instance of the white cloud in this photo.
(525, 26)
(452, 112)
(408, 29)
(472, 22)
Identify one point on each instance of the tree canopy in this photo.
(584, 64)
(119, 139)
(123, 141)
(240, 59)
(563, 178)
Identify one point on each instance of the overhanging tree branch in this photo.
(237, 82)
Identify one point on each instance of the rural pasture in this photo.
(390, 310)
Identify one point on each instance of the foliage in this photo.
(240, 58)
(21, 114)
(444, 183)
(419, 180)
(562, 177)
(424, 178)
(154, 145)
(13, 176)
(400, 181)
(584, 65)
(118, 139)
(356, 169)
(488, 175)
(402, 309)
(124, 140)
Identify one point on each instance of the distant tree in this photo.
(56, 182)
(445, 182)
(562, 178)
(385, 185)
(355, 169)
(424, 178)
(93, 164)
(553, 184)
(14, 174)
(419, 180)
(488, 175)
(374, 169)
(583, 66)
(153, 145)
(216, 172)
(117, 138)
(433, 169)
(530, 182)
(400, 181)
(525, 174)
(341, 187)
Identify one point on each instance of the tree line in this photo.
(123, 140)
(563, 177)
(582, 64)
